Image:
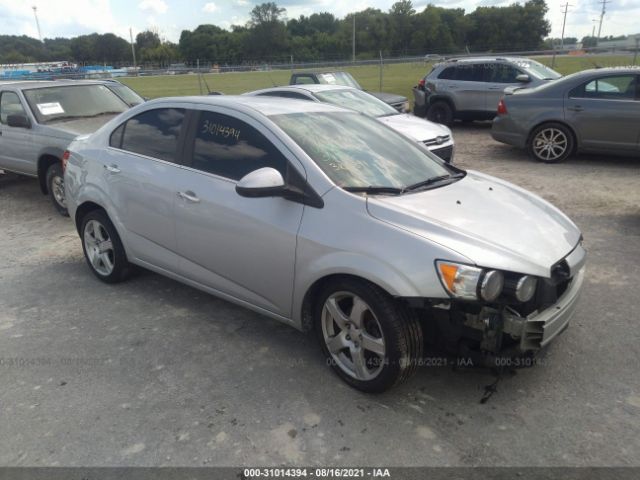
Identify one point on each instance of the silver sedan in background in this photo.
(595, 110)
(434, 136)
(327, 220)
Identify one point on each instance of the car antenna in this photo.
(206, 85)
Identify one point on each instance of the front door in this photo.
(605, 112)
(499, 76)
(242, 247)
(15, 142)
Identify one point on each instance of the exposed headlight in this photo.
(467, 283)
(526, 288)
(406, 107)
(491, 285)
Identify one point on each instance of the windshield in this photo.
(73, 101)
(339, 78)
(130, 97)
(539, 70)
(358, 151)
(357, 100)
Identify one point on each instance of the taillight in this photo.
(65, 159)
(502, 107)
(421, 82)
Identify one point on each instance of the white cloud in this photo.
(209, 7)
(156, 6)
(242, 3)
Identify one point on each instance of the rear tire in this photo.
(551, 143)
(55, 186)
(102, 248)
(440, 112)
(370, 340)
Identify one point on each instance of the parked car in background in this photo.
(38, 120)
(399, 102)
(594, 110)
(469, 88)
(326, 219)
(435, 137)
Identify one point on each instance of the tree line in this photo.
(270, 36)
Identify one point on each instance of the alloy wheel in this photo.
(550, 144)
(57, 190)
(353, 336)
(99, 247)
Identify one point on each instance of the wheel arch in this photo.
(47, 157)
(442, 98)
(84, 209)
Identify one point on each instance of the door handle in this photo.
(575, 108)
(189, 196)
(112, 168)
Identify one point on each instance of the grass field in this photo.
(397, 78)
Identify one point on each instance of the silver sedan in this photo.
(327, 220)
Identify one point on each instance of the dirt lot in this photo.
(152, 372)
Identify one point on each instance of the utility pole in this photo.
(133, 51)
(353, 41)
(604, 4)
(35, 14)
(564, 22)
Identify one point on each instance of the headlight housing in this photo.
(526, 288)
(470, 283)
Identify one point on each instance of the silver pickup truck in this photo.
(38, 119)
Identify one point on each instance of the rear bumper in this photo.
(503, 130)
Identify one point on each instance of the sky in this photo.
(69, 18)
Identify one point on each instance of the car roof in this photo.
(54, 83)
(310, 87)
(248, 103)
(485, 59)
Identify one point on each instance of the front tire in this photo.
(551, 143)
(370, 341)
(440, 112)
(103, 249)
(55, 186)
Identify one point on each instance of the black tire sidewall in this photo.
(445, 108)
(382, 305)
(121, 264)
(564, 130)
(55, 170)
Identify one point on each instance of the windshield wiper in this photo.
(80, 117)
(430, 181)
(374, 189)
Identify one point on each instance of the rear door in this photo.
(241, 247)
(605, 112)
(464, 84)
(16, 144)
(140, 169)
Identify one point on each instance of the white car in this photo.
(437, 138)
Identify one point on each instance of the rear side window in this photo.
(10, 104)
(448, 73)
(618, 87)
(153, 133)
(231, 148)
(470, 73)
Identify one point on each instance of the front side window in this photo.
(10, 104)
(617, 87)
(73, 102)
(356, 151)
(502, 73)
(357, 100)
(231, 148)
(153, 133)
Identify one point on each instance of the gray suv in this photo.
(39, 119)
(470, 88)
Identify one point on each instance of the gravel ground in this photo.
(152, 372)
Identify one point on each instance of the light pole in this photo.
(353, 40)
(35, 14)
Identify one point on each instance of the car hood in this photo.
(389, 98)
(491, 222)
(81, 126)
(415, 127)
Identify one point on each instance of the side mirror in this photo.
(264, 182)
(524, 78)
(19, 121)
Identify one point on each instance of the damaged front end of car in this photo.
(495, 315)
